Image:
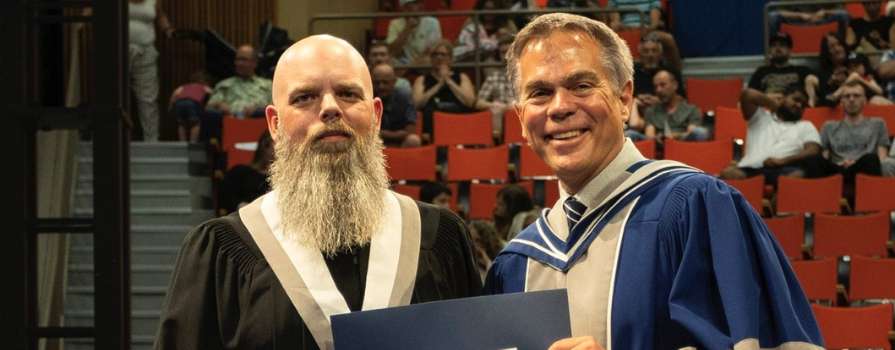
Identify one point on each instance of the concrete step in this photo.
(143, 199)
(143, 236)
(144, 165)
(141, 275)
(146, 149)
(143, 322)
(184, 216)
(149, 182)
(142, 298)
(140, 255)
(138, 342)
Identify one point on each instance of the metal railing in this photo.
(475, 15)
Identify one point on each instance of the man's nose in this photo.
(329, 108)
(562, 106)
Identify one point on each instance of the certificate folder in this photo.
(521, 321)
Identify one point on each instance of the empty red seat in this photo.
(855, 327)
(871, 278)
(531, 166)
(478, 164)
(818, 278)
(874, 193)
(729, 124)
(512, 128)
(806, 37)
(482, 199)
(647, 148)
(819, 115)
(416, 163)
(836, 235)
(884, 112)
(789, 232)
(708, 94)
(632, 38)
(451, 129)
(708, 156)
(752, 188)
(796, 195)
(241, 130)
(551, 192)
(411, 191)
(239, 157)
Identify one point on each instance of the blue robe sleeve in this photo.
(506, 275)
(731, 281)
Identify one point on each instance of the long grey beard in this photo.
(330, 196)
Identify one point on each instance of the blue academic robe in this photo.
(696, 267)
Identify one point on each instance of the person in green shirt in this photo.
(672, 117)
(244, 94)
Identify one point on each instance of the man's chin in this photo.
(333, 147)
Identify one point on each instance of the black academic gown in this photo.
(223, 294)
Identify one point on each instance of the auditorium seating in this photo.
(478, 164)
(818, 278)
(806, 37)
(729, 124)
(874, 193)
(884, 112)
(865, 235)
(416, 163)
(412, 191)
(796, 195)
(647, 148)
(512, 129)
(708, 156)
(241, 130)
(790, 233)
(531, 166)
(820, 115)
(631, 37)
(752, 189)
(709, 94)
(871, 278)
(451, 129)
(482, 199)
(855, 327)
(239, 156)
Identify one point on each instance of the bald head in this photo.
(383, 80)
(320, 56)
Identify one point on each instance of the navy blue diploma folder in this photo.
(520, 321)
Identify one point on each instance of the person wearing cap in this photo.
(410, 37)
(860, 70)
(778, 73)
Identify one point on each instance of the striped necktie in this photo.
(574, 210)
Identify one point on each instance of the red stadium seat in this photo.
(708, 94)
(874, 193)
(380, 28)
(417, 163)
(818, 278)
(789, 232)
(709, 156)
(884, 112)
(752, 188)
(865, 235)
(871, 278)
(551, 192)
(478, 164)
(239, 157)
(632, 38)
(819, 115)
(462, 5)
(855, 327)
(482, 199)
(796, 195)
(451, 26)
(531, 166)
(434, 5)
(241, 130)
(528, 186)
(647, 148)
(856, 10)
(512, 129)
(806, 38)
(411, 191)
(729, 124)
(462, 129)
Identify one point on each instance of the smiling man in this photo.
(654, 254)
(329, 238)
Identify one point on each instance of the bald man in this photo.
(329, 238)
(398, 114)
(244, 94)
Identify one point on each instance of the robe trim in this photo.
(305, 277)
(618, 250)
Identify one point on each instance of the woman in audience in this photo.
(833, 57)
(490, 29)
(436, 193)
(442, 89)
(244, 183)
(512, 201)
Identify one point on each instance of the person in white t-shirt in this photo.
(410, 37)
(777, 140)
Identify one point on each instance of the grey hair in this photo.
(616, 55)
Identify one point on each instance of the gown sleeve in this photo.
(189, 316)
(732, 285)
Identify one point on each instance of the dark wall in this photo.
(718, 27)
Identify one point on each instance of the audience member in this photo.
(410, 36)
(245, 94)
(489, 31)
(436, 193)
(859, 68)
(243, 183)
(442, 89)
(856, 144)
(379, 54)
(143, 17)
(187, 102)
(777, 74)
(486, 244)
(829, 86)
(870, 33)
(398, 126)
(808, 14)
(496, 93)
(653, 9)
(657, 51)
(886, 72)
(778, 142)
(673, 117)
(512, 200)
(833, 70)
